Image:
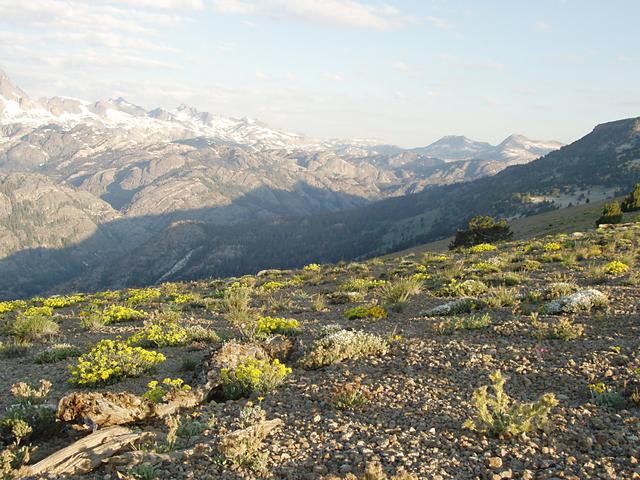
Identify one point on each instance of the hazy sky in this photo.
(404, 71)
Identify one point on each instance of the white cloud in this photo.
(336, 77)
(346, 13)
(261, 75)
(540, 25)
(164, 4)
(438, 22)
(401, 66)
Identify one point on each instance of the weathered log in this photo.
(103, 409)
(84, 455)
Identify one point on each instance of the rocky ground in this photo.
(419, 391)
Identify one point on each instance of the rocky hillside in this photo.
(116, 167)
(398, 366)
(603, 163)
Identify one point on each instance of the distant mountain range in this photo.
(111, 176)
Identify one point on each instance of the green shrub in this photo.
(28, 417)
(237, 304)
(111, 360)
(482, 229)
(253, 376)
(57, 353)
(33, 326)
(397, 293)
(611, 213)
(471, 322)
(498, 415)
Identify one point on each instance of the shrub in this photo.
(563, 329)
(559, 289)
(28, 416)
(117, 313)
(472, 322)
(501, 297)
(360, 285)
(611, 213)
(237, 304)
(198, 333)
(482, 229)
(57, 353)
(253, 376)
(163, 330)
(616, 268)
(339, 345)
(463, 289)
(631, 203)
(482, 247)
(111, 360)
(397, 293)
(498, 415)
(272, 325)
(371, 311)
(14, 349)
(605, 396)
(32, 325)
(312, 267)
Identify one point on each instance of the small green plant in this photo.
(168, 389)
(35, 324)
(352, 395)
(501, 297)
(564, 328)
(498, 415)
(465, 288)
(247, 451)
(237, 304)
(470, 322)
(605, 396)
(57, 353)
(397, 293)
(111, 360)
(28, 416)
(253, 376)
(360, 285)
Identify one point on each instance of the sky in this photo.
(405, 72)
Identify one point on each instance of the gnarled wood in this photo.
(103, 409)
(84, 455)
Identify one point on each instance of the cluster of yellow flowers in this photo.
(551, 247)
(362, 311)
(139, 296)
(616, 268)
(160, 332)
(253, 376)
(312, 267)
(58, 301)
(277, 325)
(38, 311)
(113, 359)
(6, 307)
(169, 388)
(482, 247)
(118, 313)
(182, 298)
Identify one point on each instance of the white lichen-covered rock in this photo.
(454, 307)
(582, 301)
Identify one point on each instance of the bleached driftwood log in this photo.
(84, 455)
(103, 409)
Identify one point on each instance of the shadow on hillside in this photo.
(135, 251)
